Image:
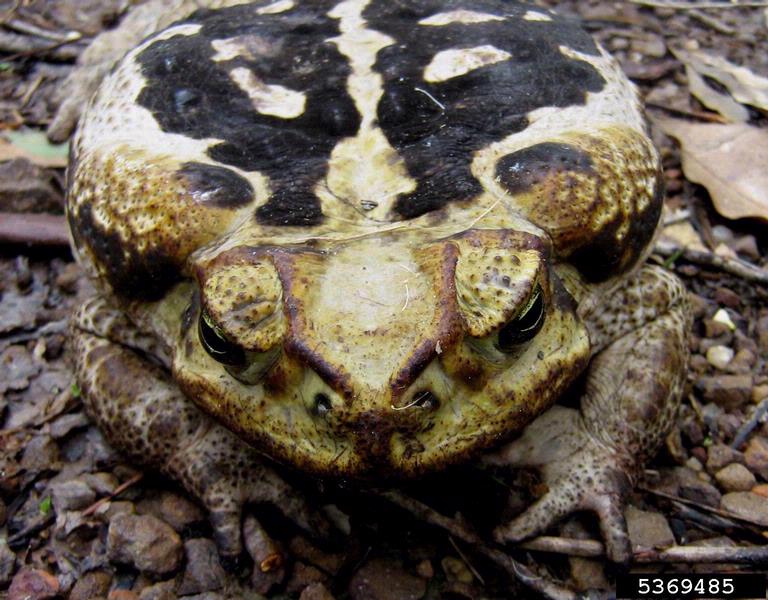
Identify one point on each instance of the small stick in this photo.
(22, 46)
(694, 114)
(118, 490)
(31, 29)
(752, 555)
(744, 521)
(33, 229)
(734, 266)
(516, 569)
(712, 22)
(681, 5)
(743, 433)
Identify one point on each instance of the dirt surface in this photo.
(78, 522)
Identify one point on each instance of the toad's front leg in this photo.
(589, 458)
(145, 415)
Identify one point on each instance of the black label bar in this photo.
(702, 585)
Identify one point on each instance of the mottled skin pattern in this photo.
(372, 239)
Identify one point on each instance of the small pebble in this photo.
(756, 456)
(747, 505)
(144, 542)
(735, 478)
(648, 529)
(33, 584)
(759, 393)
(719, 356)
(722, 316)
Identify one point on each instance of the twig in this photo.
(734, 266)
(517, 570)
(32, 528)
(22, 46)
(712, 22)
(568, 546)
(31, 90)
(744, 521)
(695, 114)
(682, 5)
(743, 433)
(33, 229)
(466, 560)
(757, 555)
(10, 12)
(51, 328)
(30, 29)
(705, 521)
(118, 490)
(751, 555)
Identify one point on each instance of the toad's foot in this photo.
(580, 474)
(145, 415)
(588, 458)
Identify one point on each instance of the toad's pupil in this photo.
(220, 349)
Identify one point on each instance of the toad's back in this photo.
(328, 116)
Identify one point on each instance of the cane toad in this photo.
(371, 239)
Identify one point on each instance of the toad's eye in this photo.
(215, 344)
(524, 326)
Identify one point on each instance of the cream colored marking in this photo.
(247, 46)
(459, 16)
(456, 62)
(364, 170)
(533, 15)
(276, 7)
(269, 99)
(228, 49)
(183, 29)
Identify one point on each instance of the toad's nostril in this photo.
(426, 399)
(322, 404)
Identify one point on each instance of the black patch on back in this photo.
(216, 186)
(519, 171)
(140, 276)
(190, 94)
(480, 107)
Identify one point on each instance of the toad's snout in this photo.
(379, 430)
(378, 312)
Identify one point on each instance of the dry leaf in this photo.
(683, 235)
(743, 84)
(33, 146)
(721, 103)
(729, 160)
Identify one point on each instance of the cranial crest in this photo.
(246, 301)
(496, 273)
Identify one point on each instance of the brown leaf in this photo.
(728, 160)
(722, 103)
(743, 84)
